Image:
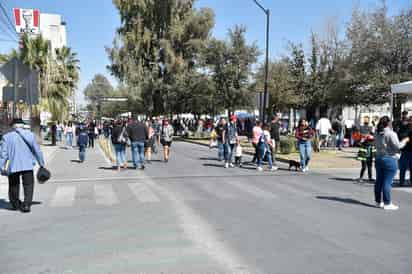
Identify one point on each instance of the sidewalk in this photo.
(48, 154)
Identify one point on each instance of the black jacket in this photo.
(275, 131)
(137, 132)
(117, 131)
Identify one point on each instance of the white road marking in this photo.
(408, 190)
(105, 195)
(143, 193)
(64, 196)
(255, 191)
(4, 191)
(203, 235)
(217, 191)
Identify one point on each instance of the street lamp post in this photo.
(265, 95)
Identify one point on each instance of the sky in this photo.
(91, 24)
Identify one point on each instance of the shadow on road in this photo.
(75, 161)
(209, 158)
(4, 205)
(344, 200)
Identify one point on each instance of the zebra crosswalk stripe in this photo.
(217, 191)
(105, 195)
(4, 190)
(143, 193)
(64, 196)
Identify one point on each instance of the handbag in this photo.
(123, 137)
(43, 174)
(5, 169)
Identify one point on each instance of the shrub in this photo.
(287, 144)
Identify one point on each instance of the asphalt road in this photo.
(193, 216)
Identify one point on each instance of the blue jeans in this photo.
(59, 135)
(340, 140)
(120, 150)
(386, 168)
(69, 139)
(138, 154)
(228, 152)
(404, 163)
(82, 153)
(220, 150)
(264, 154)
(305, 151)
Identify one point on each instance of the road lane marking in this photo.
(143, 193)
(64, 196)
(105, 195)
(216, 191)
(203, 235)
(255, 191)
(4, 191)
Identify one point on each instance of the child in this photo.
(365, 155)
(238, 154)
(82, 143)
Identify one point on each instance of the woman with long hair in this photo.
(68, 131)
(149, 143)
(119, 140)
(304, 134)
(387, 156)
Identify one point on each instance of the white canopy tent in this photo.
(401, 88)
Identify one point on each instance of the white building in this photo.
(52, 28)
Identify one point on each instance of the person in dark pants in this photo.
(53, 133)
(91, 132)
(365, 155)
(82, 142)
(19, 152)
(405, 162)
(138, 133)
(275, 134)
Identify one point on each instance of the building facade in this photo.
(52, 28)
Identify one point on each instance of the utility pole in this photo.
(265, 93)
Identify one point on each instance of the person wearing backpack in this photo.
(82, 142)
(19, 152)
(119, 140)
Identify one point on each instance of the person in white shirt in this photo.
(323, 128)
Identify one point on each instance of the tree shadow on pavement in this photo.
(75, 161)
(344, 200)
(209, 159)
(343, 179)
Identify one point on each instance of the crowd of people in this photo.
(386, 146)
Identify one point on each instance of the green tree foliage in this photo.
(98, 88)
(230, 64)
(157, 48)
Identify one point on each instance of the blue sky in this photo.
(91, 23)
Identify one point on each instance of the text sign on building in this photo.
(27, 21)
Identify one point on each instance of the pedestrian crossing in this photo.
(113, 194)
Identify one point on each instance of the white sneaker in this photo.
(259, 168)
(274, 168)
(303, 170)
(231, 165)
(307, 169)
(379, 205)
(390, 207)
(227, 165)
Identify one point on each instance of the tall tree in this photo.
(98, 88)
(156, 46)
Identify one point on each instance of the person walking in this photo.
(19, 151)
(82, 142)
(339, 129)
(256, 136)
(138, 134)
(264, 149)
(60, 130)
(387, 155)
(150, 142)
(166, 138)
(405, 162)
(91, 133)
(220, 129)
(68, 131)
(119, 140)
(304, 134)
(366, 155)
(323, 128)
(275, 127)
(230, 140)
